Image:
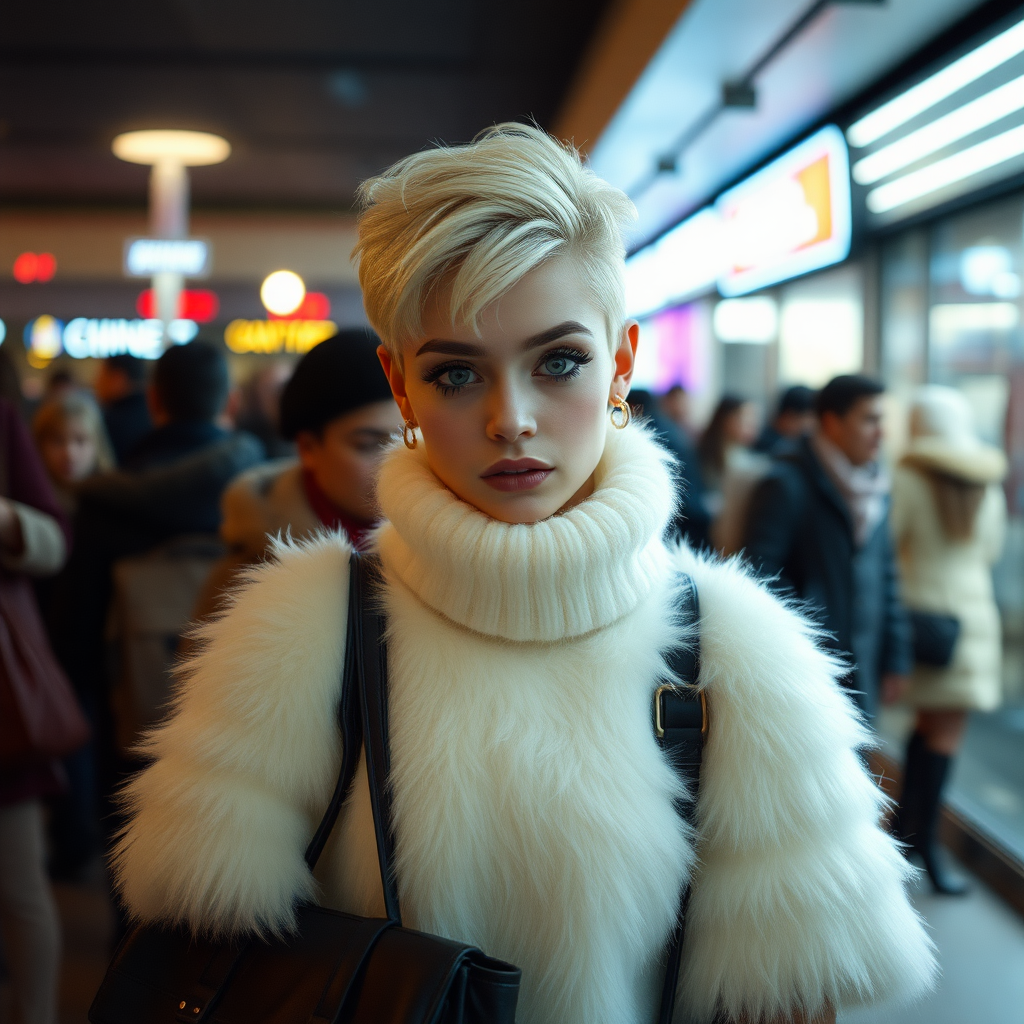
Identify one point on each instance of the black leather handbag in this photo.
(337, 968)
(342, 969)
(935, 637)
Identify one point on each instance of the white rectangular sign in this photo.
(144, 257)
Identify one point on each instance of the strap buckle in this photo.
(659, 727)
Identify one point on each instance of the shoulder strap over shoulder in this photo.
(350, 721)
(680, 725)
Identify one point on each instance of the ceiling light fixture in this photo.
(157, 146)
(967, 162)
(938, 87)
(944, 131)
(282, 292)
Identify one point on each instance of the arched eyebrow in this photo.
(443, 346)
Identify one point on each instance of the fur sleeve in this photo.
(799, 899)
(245, 765)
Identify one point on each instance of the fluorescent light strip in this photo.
(952, 127)
(951, 78)
(945, 172)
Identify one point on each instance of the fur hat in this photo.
(943, 440)
(339, 375)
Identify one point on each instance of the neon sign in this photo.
(272, 336)
(144, 257)
(791, 217)
(87, 338)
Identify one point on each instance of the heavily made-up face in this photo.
(514, 415)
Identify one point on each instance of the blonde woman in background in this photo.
(949, 515)
(73, 444)
(72, 440)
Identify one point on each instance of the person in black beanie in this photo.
(337, 408)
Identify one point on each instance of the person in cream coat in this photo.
(531, 600)
(949, 521)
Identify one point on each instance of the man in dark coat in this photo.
(120, 388)
(818, 529)
(170, 486)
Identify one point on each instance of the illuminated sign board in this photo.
(791, 217)
(681, 264)
(144, 257)
(270, 336)
(87, 338)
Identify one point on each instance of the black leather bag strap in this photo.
(680, 726)
(372, 672)
(349, 717)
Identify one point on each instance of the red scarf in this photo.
(330, 515)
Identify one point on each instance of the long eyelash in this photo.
(434, 373)
(578, 356)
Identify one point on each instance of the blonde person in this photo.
(72, 441)
(530, 599)
(948, 520)
(73, 445)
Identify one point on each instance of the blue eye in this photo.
(562, 364)
(559, 366)
(450, 380)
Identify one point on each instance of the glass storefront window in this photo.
(951, 314)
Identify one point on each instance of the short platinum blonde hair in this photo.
(478, 218)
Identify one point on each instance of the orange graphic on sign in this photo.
(814, 180)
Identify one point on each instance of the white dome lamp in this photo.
(169, 152)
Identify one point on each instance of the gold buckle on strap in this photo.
(659, 728)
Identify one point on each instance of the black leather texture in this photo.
(683, 718)
(337, 968)
(935, 637)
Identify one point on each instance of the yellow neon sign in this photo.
(268, 337)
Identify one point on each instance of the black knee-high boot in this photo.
(924, 776)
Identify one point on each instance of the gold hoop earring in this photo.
(409, 434)
(620, 406)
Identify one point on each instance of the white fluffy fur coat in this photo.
(533, 808)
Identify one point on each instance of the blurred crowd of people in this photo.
(127, 509)
(131, 506)
(896, 570)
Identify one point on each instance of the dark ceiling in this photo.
(314, 95)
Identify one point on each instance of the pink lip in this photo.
(516, 474)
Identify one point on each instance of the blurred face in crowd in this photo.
(111, 384)
(69, 451)
(795, 424)
(345, 456)
(675, 404)
(741, 427)
(859, 433)
(514, 415)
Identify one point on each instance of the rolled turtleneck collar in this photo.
(563, 577)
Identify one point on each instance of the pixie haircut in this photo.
(478, 218)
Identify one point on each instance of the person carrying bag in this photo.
(338, 967)
(526, 805)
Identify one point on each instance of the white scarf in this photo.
(863, 488)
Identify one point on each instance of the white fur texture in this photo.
(533, 809)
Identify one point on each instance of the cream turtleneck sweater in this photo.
(560, 578)
(533, 809)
